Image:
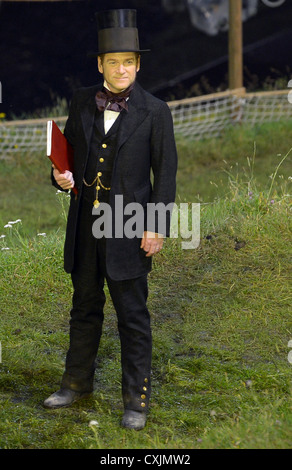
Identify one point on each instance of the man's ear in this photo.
(99, 65)
(138, 64)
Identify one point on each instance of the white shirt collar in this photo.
(107, 87)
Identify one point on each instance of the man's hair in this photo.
(137, 55)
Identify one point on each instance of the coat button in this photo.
(145, 389)
(104, 146)
(99, 173)
(101, 160)
(143, 404)
(143, 397)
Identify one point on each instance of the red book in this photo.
(59, 150)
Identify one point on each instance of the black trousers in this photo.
(129, 298)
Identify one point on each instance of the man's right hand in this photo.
(65, 180)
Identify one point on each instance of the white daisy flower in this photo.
(14, 221)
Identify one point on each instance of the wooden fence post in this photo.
(235, 48)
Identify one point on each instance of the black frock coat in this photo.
(144, 170)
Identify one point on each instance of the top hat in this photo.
(117, 32)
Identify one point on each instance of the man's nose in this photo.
(121, 69)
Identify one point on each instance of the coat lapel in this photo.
(88, 114)
(99, 122)
(133, 118)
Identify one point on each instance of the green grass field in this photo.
(221, 314)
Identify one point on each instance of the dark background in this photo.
(44, 46)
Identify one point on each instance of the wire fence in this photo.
(196, 118)
(209, 116)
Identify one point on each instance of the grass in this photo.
(221, 314)
(246, 154)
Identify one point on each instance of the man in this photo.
(119, 134)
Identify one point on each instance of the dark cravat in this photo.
(105, 99)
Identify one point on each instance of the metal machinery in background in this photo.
(212, 16)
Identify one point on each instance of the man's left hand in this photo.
(152, 243)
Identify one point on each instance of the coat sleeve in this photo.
(164, 167)
(69, 132)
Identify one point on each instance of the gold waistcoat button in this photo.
(143, 397)
(143, 404)
(104, 146)
(101, 160)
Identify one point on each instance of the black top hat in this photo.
(117, 32)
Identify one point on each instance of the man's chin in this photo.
(122, 84)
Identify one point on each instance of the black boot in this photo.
(134, 419)
(63, 397)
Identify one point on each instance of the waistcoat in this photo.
(101, 158)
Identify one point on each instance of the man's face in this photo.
(119, 69)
